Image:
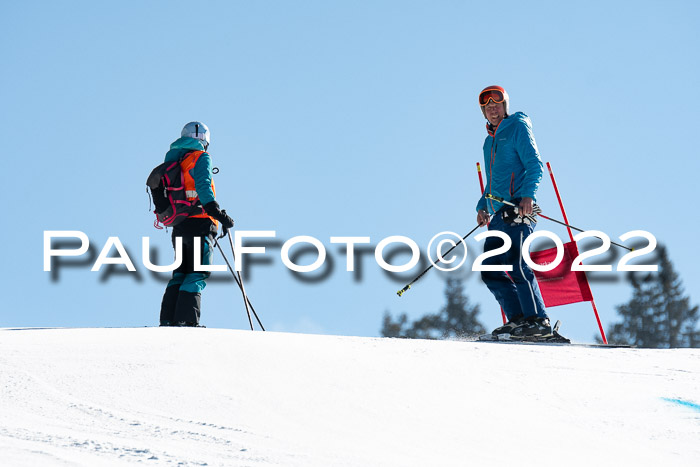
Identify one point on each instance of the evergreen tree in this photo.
(392, 328)
(658, 316)
(458, 318)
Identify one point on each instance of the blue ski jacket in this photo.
(511, 161)
(202, 172)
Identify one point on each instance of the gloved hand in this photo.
(513, 216)
(212, 208)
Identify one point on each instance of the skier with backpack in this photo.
(185, 198)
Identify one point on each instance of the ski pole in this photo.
(237, 282)
(247, 300)
(240, 280)
(501, 200)
(240, 285)
(408, 286)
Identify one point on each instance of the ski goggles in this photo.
(491, 95)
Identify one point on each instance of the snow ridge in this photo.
(182, 396)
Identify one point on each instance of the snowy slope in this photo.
(162, 396)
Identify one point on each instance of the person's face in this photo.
(494, 112)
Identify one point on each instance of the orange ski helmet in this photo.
(496, 94)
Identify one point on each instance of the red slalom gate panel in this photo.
(561, 285)
(566, 219)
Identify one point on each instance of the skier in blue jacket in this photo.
(513, 171)
(181, 304)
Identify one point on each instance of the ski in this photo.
(554, 338)
(554, 343)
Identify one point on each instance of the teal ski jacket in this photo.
(512, 162)
(202, 172)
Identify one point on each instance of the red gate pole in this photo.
(481, 179)
(563, 213)
(561, 205)
(481, 182)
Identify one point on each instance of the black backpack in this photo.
(167, 188)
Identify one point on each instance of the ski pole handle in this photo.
(498, 199)
(400, 292)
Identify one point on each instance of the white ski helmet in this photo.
(196, 130)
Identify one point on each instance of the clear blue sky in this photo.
(335, 119)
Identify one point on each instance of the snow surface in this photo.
(160, 396)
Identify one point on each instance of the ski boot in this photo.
(509, 326)
(534, 326)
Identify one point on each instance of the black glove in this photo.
(212, 208)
